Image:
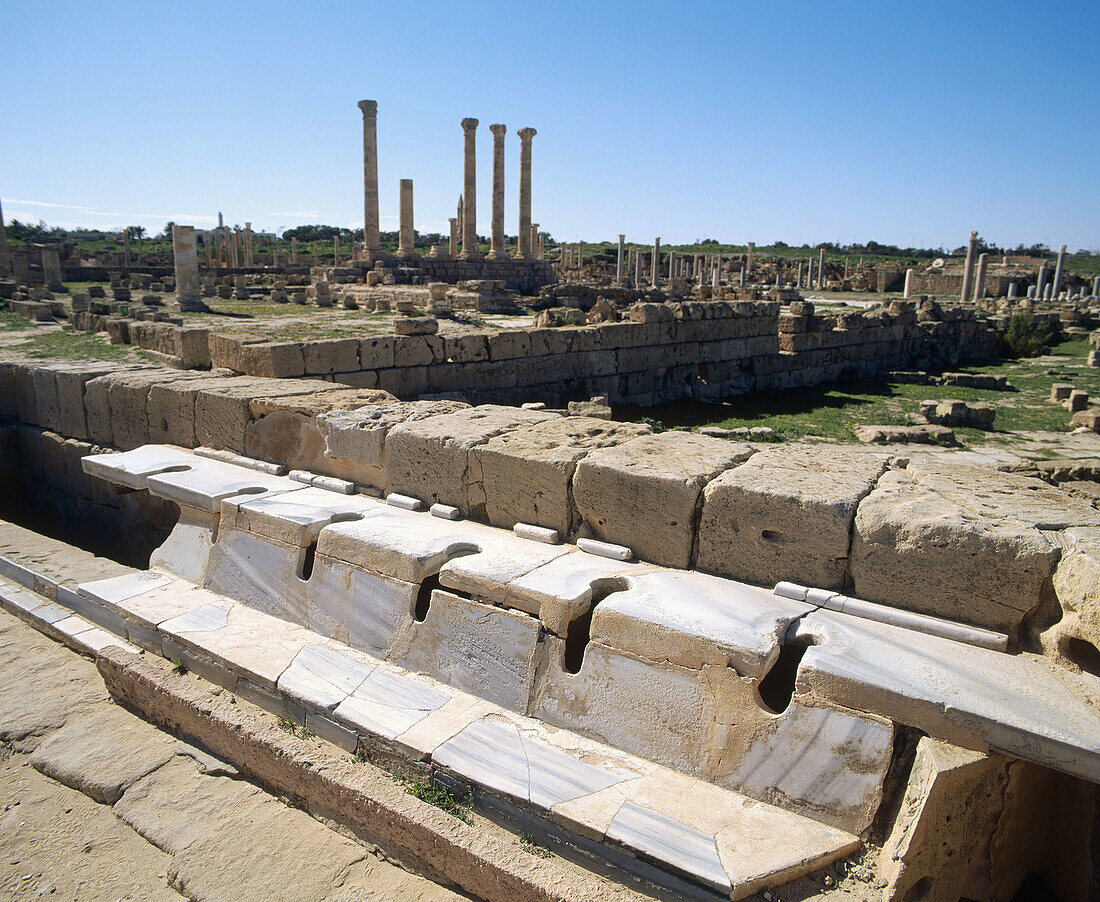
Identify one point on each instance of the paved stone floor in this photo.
(97, 804)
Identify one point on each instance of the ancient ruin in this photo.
(410, 501)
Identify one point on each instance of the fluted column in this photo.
(372, 243)
(968, 271)
(405, 242)
(525, 136)
(469, 191)
(496, 241)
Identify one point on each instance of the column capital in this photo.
(973, 234)
(469, 124)
(369, 107)
(498, 130)
(526, 134)
(1062, 249)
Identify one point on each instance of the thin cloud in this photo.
(92, 211)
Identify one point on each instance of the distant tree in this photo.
(167, 233)
(137, 232)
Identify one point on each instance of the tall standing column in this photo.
(294, 250)
(1058, 272)
(810, 274)
(405, 242)
(454, 236)
(908, 284)
(979, 282)
(580, 254)
(5, 254)
(672, 264)
(637, 268)
(372, 243)
(534, 239)
(126, 249)
(748, 260)
(469, 191)
(525, 136)
(968, 271)
(619, 260)
(248, 244)
(798, 281)
(496, 248)
(821, 269)
(655, 268)
(185, 252)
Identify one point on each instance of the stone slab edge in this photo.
(358, 796)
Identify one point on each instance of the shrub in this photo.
(1025, 337)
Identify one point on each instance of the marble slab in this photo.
(321, 676)
(970, 696)
(133, 468)
(206, 483)
(387, 703)
(297, 517)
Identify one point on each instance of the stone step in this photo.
(634, 813)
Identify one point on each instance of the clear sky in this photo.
(905, 123)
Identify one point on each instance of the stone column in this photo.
(821, 269)
(1041, 280)
(405, 242)
(1011, 290)
(637, 269)
(619, 260)
(525, 136)
(534, 240)
(209, 254)
(968, 271)
(51, 269)
(236, 247)
(1058, 270)
(454, 236)
(1096, 287)
(5, 254)
(748, 261)
(126, 249)
(293, 250)
(542, 243)
(372, 243)
(810, 274)
(655, 269)
(248, 244)
(1048, 294)
(580, 254)
(496, 247)
(908, 284)
(188, 286)
(469, 191)
(798, 281)
(335, 250)
(979, 282)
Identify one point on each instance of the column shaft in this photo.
(405, 241)
(496, 249)
(372, 243)
(968, 270)
(525, 136)
(469, 190)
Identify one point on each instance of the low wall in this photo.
(665, 352)
(836, 517)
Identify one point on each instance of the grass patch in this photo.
(64, 344)
(530, 845)
(300, 730)
(832, 411)
(178, 667)
(440, 797)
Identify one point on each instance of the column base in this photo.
(497, 255)
(520, 255)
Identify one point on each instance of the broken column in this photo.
(1096, 287)
(469, 191)
(968, 270)
(619, 261)
(655, 267)
(496, 246)
(185, 252)
(5, 254)
(1041, 280)
(1058, 271)
(748, 261)
(454, 236)
(979, 282)
(908, 284)
(294, 250)
(51, 269)
(405, 241)
(1011, 290)
(821, 269)
(372, 243)
(637, 269)
(525, 136)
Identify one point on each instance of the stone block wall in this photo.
(934, 539)
(666, 352)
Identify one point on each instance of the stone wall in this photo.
(526, 276)
(665, 352)
(939, 538)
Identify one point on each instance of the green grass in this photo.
(440, 797)
(530, 845)
(299, 730)
(69, 345)
(833, 411)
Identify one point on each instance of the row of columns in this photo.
(463, 228)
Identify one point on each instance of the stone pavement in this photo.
(97, 804)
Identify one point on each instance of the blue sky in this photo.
(904, 123)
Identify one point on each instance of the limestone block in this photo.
(526, 473)
(478, 648)
(171, 407)
(429, 458)
(376, 352)
(644, 493)
(128, 398)
(336, 355)
(466, 348)
(417, 350)
(354, 440)
(949, 540)
(270, 359)
(1078, 400)
(1076, 636)
(786, 514)
(509, 345)
(222, 415)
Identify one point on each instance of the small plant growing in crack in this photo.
(299, 730)
(178, 667)
(532, 846)
(359, 758)
(440, 797)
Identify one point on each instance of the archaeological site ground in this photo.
(381, 565)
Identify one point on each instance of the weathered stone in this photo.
(786, 513)
(644, 493)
